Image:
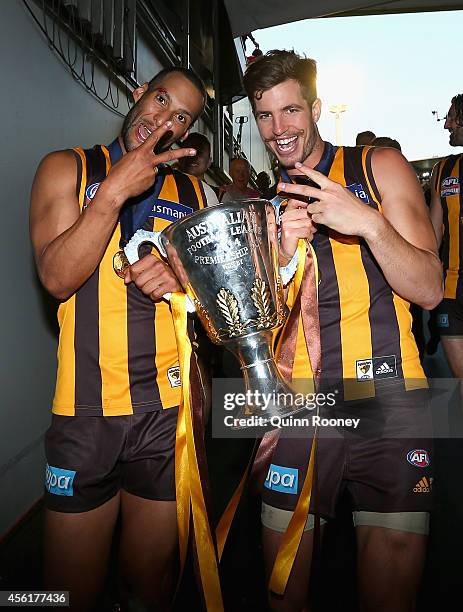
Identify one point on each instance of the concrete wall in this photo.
(42, 108)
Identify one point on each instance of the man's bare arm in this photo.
(68, 245)
(404, 243)
(401, 239)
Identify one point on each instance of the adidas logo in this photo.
(384, 368)
(423, 486)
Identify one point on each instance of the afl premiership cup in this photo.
(226, 258)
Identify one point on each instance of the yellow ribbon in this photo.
(295, 285)
(226, 520)
(182, 481)
(293, 534)
(187, 477)
(292, 537)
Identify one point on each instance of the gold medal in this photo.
(120, 263)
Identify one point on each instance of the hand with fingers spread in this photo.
(136, 171)
(153, 277)
(334, 205)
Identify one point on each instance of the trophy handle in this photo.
(140, 237)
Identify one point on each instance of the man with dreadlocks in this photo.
(447, 219)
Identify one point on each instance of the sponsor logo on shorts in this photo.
(443, 320)
(282, 479)
(171, 211)
(90, 193)
(173, 374)
(423, 486)
(358, 190)
(450, 186)
(376, 368)
(59, 481)
(418, 457)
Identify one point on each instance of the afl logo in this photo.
(418, 458)
(90, 193)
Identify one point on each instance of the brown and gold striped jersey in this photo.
(365, 327)
(449, 188)
(117, 351)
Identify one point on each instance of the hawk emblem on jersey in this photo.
(90, 193)
(450, 186)
(173, 374)
(359, 191)
(364, 369)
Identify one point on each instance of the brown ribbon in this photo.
(305, 300)
(306, 308)
(309, 310)
(306, 303)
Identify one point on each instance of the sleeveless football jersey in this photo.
(448, 186)
(365, 327)
(117, 351)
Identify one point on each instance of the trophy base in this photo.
(273, 397)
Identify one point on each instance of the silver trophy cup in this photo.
(226, 258)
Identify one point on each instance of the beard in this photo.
(308, 149)
(456, 138)
(129, 120)
(310, 146)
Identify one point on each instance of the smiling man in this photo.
(111, 445)
(364, 212)
(447, 219)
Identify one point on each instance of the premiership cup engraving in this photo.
(226, 258)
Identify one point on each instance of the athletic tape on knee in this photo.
(412, 522)
(277, 519)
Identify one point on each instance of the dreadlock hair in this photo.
(457, 102)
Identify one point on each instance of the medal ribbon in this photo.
(189, 492)
(292, 536)
(303, 302)
(302, 294)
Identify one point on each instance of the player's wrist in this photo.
(374, 226)
(285, 255)
(109, 199)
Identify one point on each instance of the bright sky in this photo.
(391, 71)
